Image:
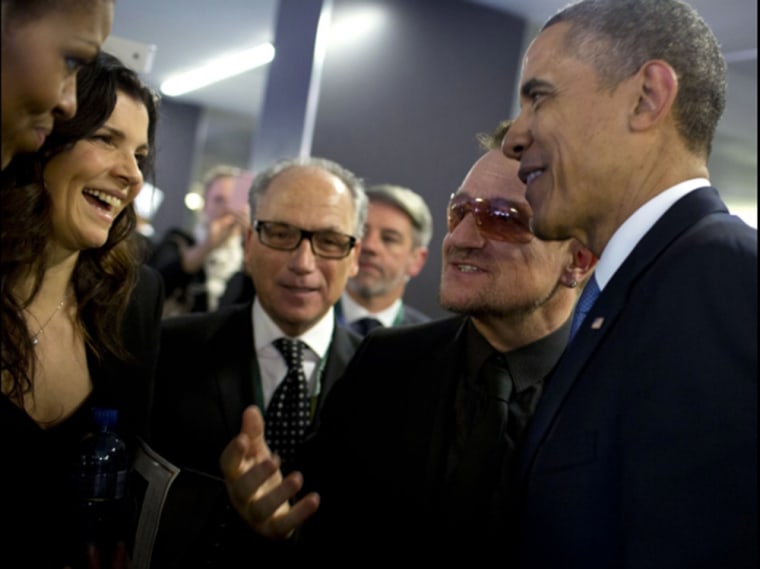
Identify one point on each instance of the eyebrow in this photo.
(532, 84)
(391, 231)
(121, 136)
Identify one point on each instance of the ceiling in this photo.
(189, 32)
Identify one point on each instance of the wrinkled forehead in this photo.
(310, 198)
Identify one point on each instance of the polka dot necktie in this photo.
(288, 413)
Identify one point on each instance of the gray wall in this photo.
(405, 108)
(179, 134)
(402, 106)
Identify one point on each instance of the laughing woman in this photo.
(80, 315)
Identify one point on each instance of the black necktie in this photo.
(481, 489)
(365, 325)
(476, 458)
(288, 413)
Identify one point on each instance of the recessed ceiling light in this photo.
(220, 68)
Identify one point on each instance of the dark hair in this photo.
(104, 277)
(618, 36)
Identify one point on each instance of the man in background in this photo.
(394, 250)
(197, 266)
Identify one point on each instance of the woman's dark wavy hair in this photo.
(104, 277)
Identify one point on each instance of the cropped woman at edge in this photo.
(44, 44)
(80, 314)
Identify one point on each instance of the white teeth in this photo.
(467, 269)
(102, 196)
(532, 176)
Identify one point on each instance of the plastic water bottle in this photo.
(101, 485)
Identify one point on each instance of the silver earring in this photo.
(573, 283)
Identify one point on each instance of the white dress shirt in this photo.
(272, 366)
(635, 227)
(352, 311)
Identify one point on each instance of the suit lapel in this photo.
(679, 218)
(237, 372)
(342, 348)
(445, 373)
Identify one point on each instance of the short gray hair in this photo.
(618, 36)
(409, 202)
(354, 184)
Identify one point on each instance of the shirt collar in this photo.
(317, 338)
(527, 365)
(636, 226)
(353, 311)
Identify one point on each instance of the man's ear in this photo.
(658, 86)
(582, 265)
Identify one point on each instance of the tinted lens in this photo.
(328, 244)
(496, 219)
(331, 244)
(279, 235)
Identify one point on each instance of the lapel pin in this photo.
(597, 323)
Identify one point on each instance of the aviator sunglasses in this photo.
(496, 219)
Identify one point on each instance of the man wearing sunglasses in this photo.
(303, 245)
(411, 455)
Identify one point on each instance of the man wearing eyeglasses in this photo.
(307, 217)
(416, 447)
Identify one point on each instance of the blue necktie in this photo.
(585, 302)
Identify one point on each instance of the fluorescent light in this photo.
(357, 24)
(218, 69)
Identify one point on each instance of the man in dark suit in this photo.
(303, 245)
(643, 449)
(408, 460)
(394, 250)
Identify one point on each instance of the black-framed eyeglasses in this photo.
(498, 219)
(324, 243)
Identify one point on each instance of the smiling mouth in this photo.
(103, 200)
(299, 289)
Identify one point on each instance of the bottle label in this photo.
(103, 485)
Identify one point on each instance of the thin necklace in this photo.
(36, 337)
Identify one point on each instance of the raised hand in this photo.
(256, 486)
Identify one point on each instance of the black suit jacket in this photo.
(413, 316)
(643, 449)
(380, 458)
(206, 377)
